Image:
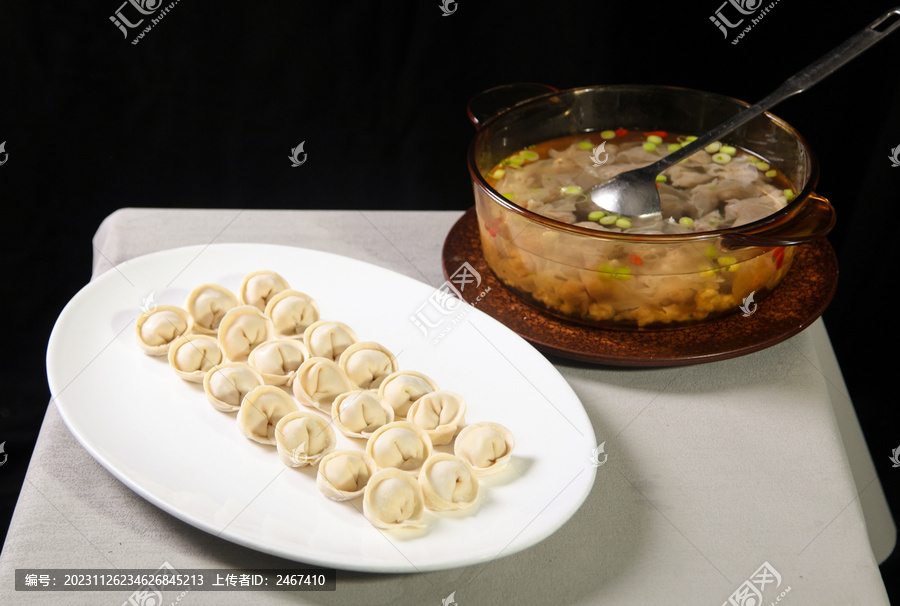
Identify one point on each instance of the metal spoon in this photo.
(634, 193)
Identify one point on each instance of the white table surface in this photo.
(713, 469)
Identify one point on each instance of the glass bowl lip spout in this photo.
(765, 223)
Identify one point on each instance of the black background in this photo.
(204, 111)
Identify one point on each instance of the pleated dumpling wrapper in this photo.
(303, 438)
(260, 411)
(448, 483)
(278, 360)
(258, 287)
(328, 339)
(487, 447)
(440, 413)
(318, 382)
(343, 474)
(227, 384)
(292, 312)
(242, 330)
(357, 414)
(191, 356)
(400, 389)
(393, 499)
(401, 445)
(156, 329)
(208, 304)
(367, 364)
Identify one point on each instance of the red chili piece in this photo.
(621, 132)
(658, 133)
(778, 255)
(635, 260)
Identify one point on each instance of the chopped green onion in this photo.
(690, 138)
(789, 194)
(656, 139)
(498, 174)
(673, 147)
(608, 219)
(763, 166)
(771, 173)
(713, 147)
(516, 160)
(607, 270)
(710, 252)
(596, 215)
(728, 149)
(571, 190)
(708, 273)
(721, 158)
(585, 145)
(623, 223)
(509, 196)
(623, 273)
(686, 221)
(648, 146)
(661, 178)
(723, 261)
(608, 134)
(529, 156)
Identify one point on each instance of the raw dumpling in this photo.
(487, 447)
(260, 286)
(367, 364)
(191, 356)
(227, 384)
(327, 339)
(278, 360)
(343, 474)
(260, 411)
(357, 414)
(400, 444)
(318, 382)
(291, 313)
(440, 413)
(303, 438)
(400, 389)
(242, 330)
(157, 329)
(393, 499)
(208, 304)
(448, 483)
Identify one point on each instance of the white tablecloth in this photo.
(713, 469)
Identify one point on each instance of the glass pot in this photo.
(636, 281)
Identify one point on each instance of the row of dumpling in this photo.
(269, 336)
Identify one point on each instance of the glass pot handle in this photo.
(808, 222)
(494, 101)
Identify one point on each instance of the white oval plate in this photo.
(159, 436)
